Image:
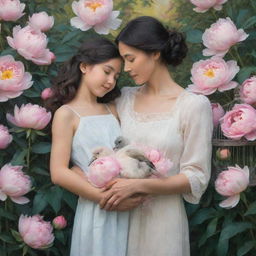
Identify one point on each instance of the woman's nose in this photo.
(127, 68)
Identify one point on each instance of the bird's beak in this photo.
(91, 161)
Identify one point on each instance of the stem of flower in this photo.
(29, 148)
(238, 56)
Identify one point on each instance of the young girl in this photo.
(80, 124)
(161, 114)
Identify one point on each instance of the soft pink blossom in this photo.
(11, 10)
(14, 183)
(205, 5)
(162, 164)
(30, 116)
(218, 112)
(231, 183)
(240, 122)
(95, 13)
(36, 232)
(221, 36)
(31, 44)
(223, 153)
(13, 78)
(103, 170)
(5, 137)
(46, 93)
(41, 21)
(59, 222)
(248, 91)
(213, 74)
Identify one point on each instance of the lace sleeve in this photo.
(195, 160)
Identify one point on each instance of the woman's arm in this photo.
(120, 189)
(62, 134)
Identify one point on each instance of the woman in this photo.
(80, 124)
(161, 114)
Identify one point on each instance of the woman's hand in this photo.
(128, 204)
(117, 191)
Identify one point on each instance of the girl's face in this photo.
(101, 78)
(137, 63)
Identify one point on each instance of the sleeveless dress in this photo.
(96, 232)
(184, 135)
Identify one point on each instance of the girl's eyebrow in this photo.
(108, 66)
(127, 55)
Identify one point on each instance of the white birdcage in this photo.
(242, 152)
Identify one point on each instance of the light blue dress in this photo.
(96, 232)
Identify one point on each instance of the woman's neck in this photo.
(161, 83)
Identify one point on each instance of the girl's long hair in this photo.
(67, 81)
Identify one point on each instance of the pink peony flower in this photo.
(41, 21)
(5, 137)
(95, 13)
(205, 5)
(103, 170)
(46, 93)
(11, 10)
(31, 44)
(218, 113)
(221, 36)
(231, 183)
(239, 122)
(162, 164)
(14, 183)
(213, 74)
(36, 232)
(248, 91)
(13, 78)
(59, 222)
(223, 153)
(30, 116)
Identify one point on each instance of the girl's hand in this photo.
(128, 204)
(117, 191)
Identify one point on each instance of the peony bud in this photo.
(59, 222)
(223, 154)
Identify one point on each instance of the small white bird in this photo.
(100, 152)
(133, 162)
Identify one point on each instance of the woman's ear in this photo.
(83, 67)
(156, 55)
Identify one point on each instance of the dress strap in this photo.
(108, 109)
(72, 110)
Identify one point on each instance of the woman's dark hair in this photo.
(149, 35)
(66, 83)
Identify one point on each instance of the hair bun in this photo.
(175, 49)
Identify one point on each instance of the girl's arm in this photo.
(63, 127)
(120, 189)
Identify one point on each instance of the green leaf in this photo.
(202, 215)
(41, 148)
(59, 234)
(19, 156)
(245, 73)
(233, 229)
(54, 201)
(211, 229)
(70, 35)
(222, 247)
(242, 15)
(250, 22)
(39, 202)
(194, 36)
(5, 237)
(251, 209)
(70, 199)
(16, 235)
(7, 215)
(246, 247)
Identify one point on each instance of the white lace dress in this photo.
(184, 135)
(96, 232)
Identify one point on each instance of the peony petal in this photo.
(218, 7)
(10, 42)
(78, 23)
(228, 86)
(20, 200)
(230, 202)
(3, 196)
(200, 10)
(251, 136)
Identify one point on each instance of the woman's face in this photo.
(137, 63)
(101, 78)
